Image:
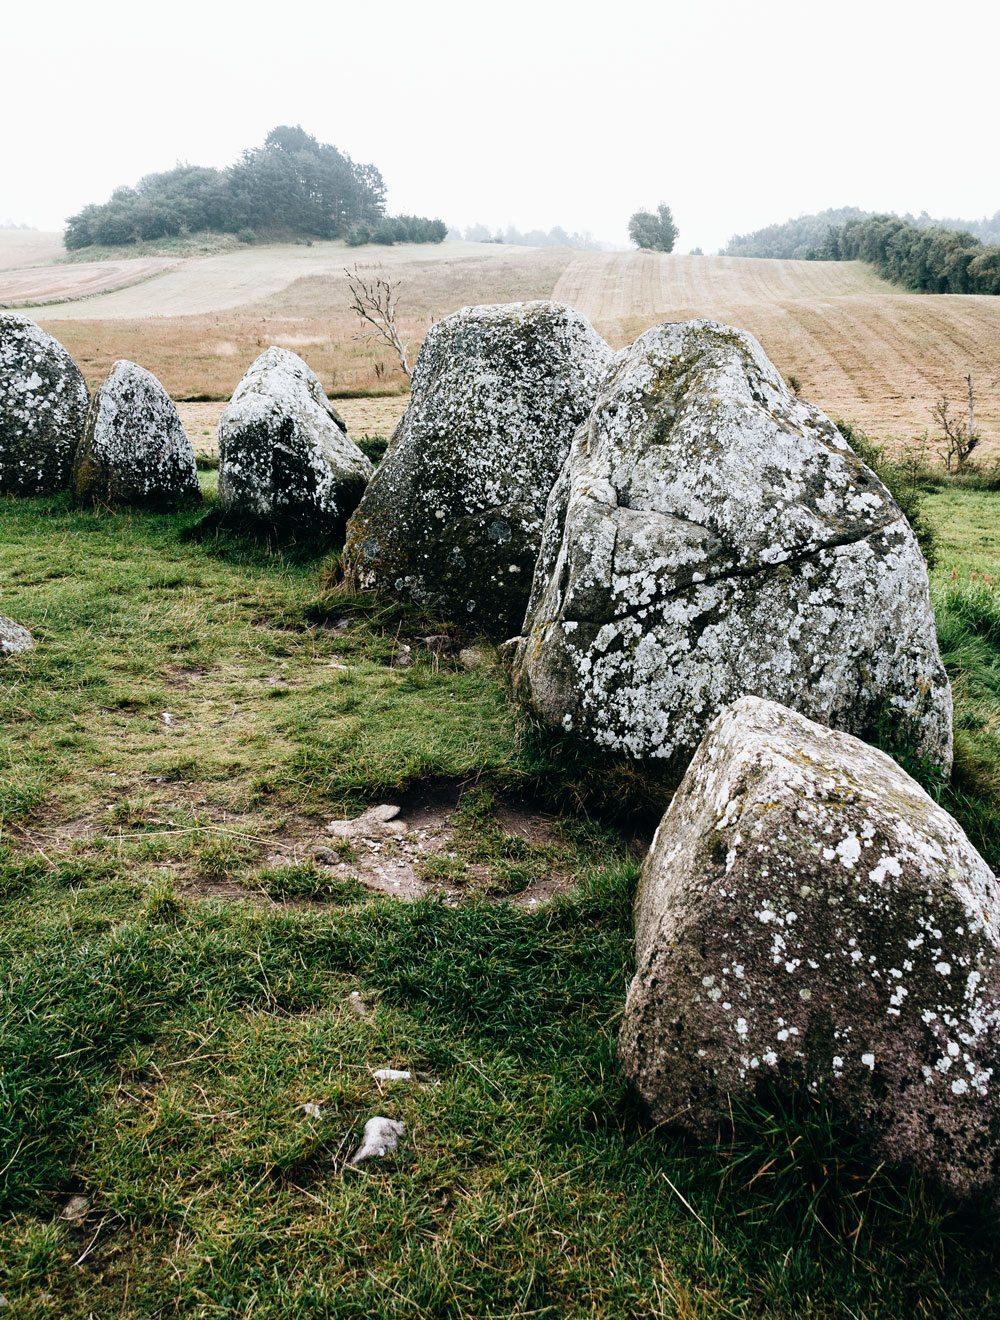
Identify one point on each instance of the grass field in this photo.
(180, 938)
(859, 347)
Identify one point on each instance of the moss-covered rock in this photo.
(453, 516)
(134, 450)
(712, 535)
(43, 407)
(284, 452)
(808, 918)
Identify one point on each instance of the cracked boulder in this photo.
(712, 535)
(284, 452)
(453, 516)
(134, 450)
(808, 919)
(43, 407)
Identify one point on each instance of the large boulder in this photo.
(712, 535)
(284, 452)
(809, 917)
(454, 514)
(43, 407)
(134, 450)
(14, 638)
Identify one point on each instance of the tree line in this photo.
(927, 260)
(802, 238)
(292, 184)
(554, 237)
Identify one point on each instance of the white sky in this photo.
(736, 114)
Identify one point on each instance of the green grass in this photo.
(157, 1046)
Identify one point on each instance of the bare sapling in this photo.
(374, 299)
(960, 439)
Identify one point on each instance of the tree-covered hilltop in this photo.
(927, 260)
(292, 184)
(794, 238)
(803, 237)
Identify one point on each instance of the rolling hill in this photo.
(861, 348)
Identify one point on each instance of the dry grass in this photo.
(860, 347)
(205, 356)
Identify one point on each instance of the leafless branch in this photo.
(374, 299)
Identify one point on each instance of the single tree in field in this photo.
(374, 298)
(653, 229)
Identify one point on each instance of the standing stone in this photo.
(134, 449)
(453, 516)
(43, 407)
(712, 535)
(284, 452)
(809, 918)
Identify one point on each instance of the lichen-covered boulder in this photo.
(134, 450)
(453, 516)
(712, 535)
(13, 637)
(284, 452)
(809, 918)
(43, 407)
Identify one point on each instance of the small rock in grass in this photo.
(372, 824)
(472, 657)
(380, 1138)
(356, 1004)
(437, 642)
(13, 637)
(392, 1075)
(75, 1209)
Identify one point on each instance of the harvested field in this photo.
(862, 349)
(201, 285)
(28, 247)
(42, 285)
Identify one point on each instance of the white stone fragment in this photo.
(380, 1138)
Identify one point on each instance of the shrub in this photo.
(904, 481)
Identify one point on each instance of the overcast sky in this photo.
(531, 114)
